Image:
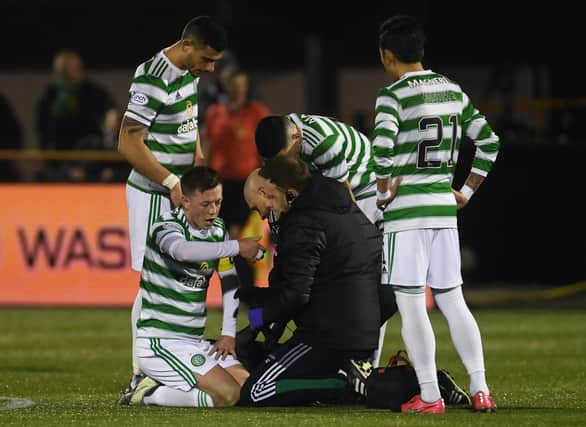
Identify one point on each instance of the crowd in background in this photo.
(74, 112)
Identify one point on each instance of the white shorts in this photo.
(174, 362)
(143, 210)
(422, 257)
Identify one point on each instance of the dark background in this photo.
(271, 35)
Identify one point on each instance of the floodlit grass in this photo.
(74, 362)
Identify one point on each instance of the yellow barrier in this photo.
(34, 154)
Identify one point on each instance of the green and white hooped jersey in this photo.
(336, 150)
(419, 123)
(174, 293)
(164, 98)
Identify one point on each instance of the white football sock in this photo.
(167, 396)
(420, 342)
(135, 314)
(375, 358)
(465, 335)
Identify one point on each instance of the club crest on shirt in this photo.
(198, 359)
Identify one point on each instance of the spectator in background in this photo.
(210, 90)
(71, 108)
(230, 148)
(11, 139)
(99, 171)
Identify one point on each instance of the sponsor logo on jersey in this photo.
(188, 126)
(139, 98)
(204, 268)
(198, 359)
(197, 282)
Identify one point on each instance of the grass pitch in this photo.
(74, 362)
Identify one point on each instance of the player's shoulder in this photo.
(220, 224)
(388, 91)
(323, 126)
(158, 70)
(218, 231)
(174, 218)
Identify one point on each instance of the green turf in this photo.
(73, 363)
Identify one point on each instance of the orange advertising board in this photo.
(68, 245)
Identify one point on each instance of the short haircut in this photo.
(271, 136)
(286, 172)
(207, 32)
(403, 35)
(200, 178)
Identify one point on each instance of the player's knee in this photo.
(228, 396)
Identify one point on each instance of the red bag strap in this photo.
(400, 356)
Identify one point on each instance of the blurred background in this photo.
(64, 217)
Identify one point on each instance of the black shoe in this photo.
(356, 373)
(451, 392)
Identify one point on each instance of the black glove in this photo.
(273, 333)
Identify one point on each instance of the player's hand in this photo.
(382, 204)
(224, 346)
(249, 247)
(461, 200)
(176, 194)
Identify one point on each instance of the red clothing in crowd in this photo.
(230, 135)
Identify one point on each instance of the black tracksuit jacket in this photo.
(326, 271)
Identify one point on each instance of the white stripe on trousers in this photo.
(265, 386)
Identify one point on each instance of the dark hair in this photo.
(271, 136)
(404, 36)
(200, 178)
(286, 172)
(207, 32)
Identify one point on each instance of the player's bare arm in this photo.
(199, 159)
(470, 186)
(349, 188)
(385, 193)
(131, 146)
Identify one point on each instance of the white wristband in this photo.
(171, 181)
(383, 196)
(467, 191)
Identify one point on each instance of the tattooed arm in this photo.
(131, 146)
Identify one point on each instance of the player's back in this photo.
(336, 149)
(418, 125)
